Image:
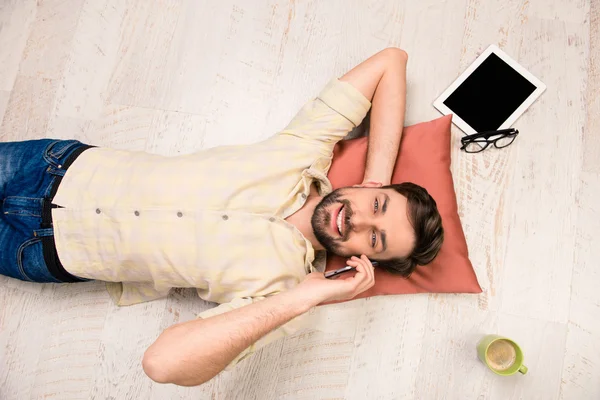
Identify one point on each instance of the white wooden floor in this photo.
(175, 76)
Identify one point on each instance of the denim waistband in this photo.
(48, 243)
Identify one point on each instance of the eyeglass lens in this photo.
(504, 141)
(475, 146)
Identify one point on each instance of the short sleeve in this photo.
(328, 118)
(289, 328)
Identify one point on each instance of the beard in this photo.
(321, 221)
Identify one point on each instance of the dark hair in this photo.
(426, 221)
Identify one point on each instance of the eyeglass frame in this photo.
(466, 140)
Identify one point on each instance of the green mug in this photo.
(502, 355)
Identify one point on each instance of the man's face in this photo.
(370, 221)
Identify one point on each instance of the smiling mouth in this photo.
(338, 225)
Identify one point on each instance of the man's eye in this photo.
(376, 205)
(373, 239)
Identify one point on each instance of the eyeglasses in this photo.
(480, 141)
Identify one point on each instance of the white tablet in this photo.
(491, 94)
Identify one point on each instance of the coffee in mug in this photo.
(502, 355)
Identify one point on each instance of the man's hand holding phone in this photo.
(322, 290)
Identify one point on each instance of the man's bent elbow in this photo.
(155, 368)
(162, 371)
(396, 55)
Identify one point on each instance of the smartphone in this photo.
(347, 268)
(333, 274)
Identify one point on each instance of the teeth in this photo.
(339, 222)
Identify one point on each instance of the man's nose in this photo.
(359, 222)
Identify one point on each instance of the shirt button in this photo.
(137, 213)
(180, 214)
(98, 211)
(225, 217)
(272, 219)
(303, 196)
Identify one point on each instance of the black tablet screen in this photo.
(489, 95)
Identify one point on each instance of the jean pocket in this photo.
(31, 263)
(22, 206)
(57, 149)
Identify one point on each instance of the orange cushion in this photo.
(424, 159)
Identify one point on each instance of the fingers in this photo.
(372, 184)
(371, 272)
(368, 184)
(363, 260)
(365, 276)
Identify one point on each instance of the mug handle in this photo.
(523, 369)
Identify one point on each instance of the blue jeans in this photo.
(28, 173)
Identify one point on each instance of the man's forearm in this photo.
(193, 352)
(387, 122)
(382, 80)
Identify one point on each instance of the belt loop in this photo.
(44, 232)
(46, 214)
(56, 171)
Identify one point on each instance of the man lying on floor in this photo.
(244, 225)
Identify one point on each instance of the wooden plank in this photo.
(4, 95)
(21, 286)
(176, 133)
(591, 140)
(121, 127)
(388, 344)
(582, 360)
(135, 128)
(72, 338)
(24, 318)
(29, 108)
(147, 33)
(94, 56)
(16, 18)
(580, 377)
(69, 128)
(574, 11)
(580, 373)
(49, 44)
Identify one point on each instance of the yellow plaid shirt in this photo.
(213, 220)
